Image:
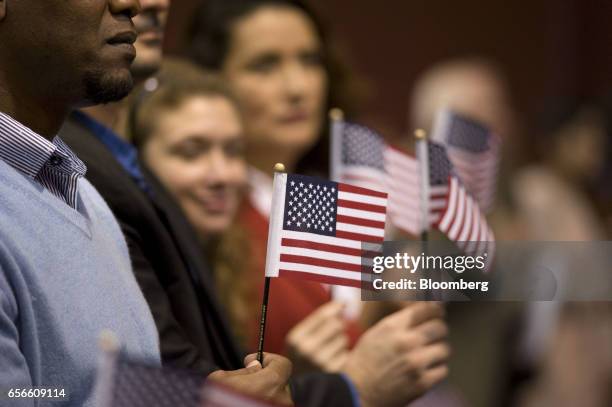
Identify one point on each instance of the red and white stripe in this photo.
(464, 223)
(343, 259)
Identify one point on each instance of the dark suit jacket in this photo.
(174, 277)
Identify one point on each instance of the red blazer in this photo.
(290, 301)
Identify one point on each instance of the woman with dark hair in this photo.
(212, 46)
(274, 56)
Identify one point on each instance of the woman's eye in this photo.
(190, 151)
(235, 150)
(263, 64)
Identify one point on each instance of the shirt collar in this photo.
(122, 150)
(27, 151)
(125, 153)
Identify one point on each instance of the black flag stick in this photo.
(262, 322)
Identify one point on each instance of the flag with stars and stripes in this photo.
(324, 231)
(461, 219)
(362, 157)
(474, 151)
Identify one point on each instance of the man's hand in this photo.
(319, 342)
(268, 382)
(401, 357)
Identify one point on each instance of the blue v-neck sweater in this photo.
(65, 276)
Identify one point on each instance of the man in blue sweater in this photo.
(65, 273)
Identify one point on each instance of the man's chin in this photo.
(103, 87)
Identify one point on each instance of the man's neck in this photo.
(112, 115)
(43, 117)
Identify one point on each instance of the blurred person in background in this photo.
(577, 367)
(604, 191)
(531, 202)
(481, 337)
(570, 158)
(554, 197)
(476, 88)
(275, 58)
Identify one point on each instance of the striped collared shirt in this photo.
(52, 164)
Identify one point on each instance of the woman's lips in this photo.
(294, 118)
(215, 204)
(151, 37)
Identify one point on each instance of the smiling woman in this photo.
(189, 132)
(188, 129)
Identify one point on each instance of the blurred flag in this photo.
(137, 385)
(362, 157)
(461, 219)
(121, 382)
(368, 161)
(474, 151)
(324, 231)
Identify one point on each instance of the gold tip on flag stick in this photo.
(279, 167)
(336, 114)
(420, 134)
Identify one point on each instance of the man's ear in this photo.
(2, 9)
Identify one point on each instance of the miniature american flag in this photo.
(461, 219)
(362, 157)
(474, 151)
(324, 231)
